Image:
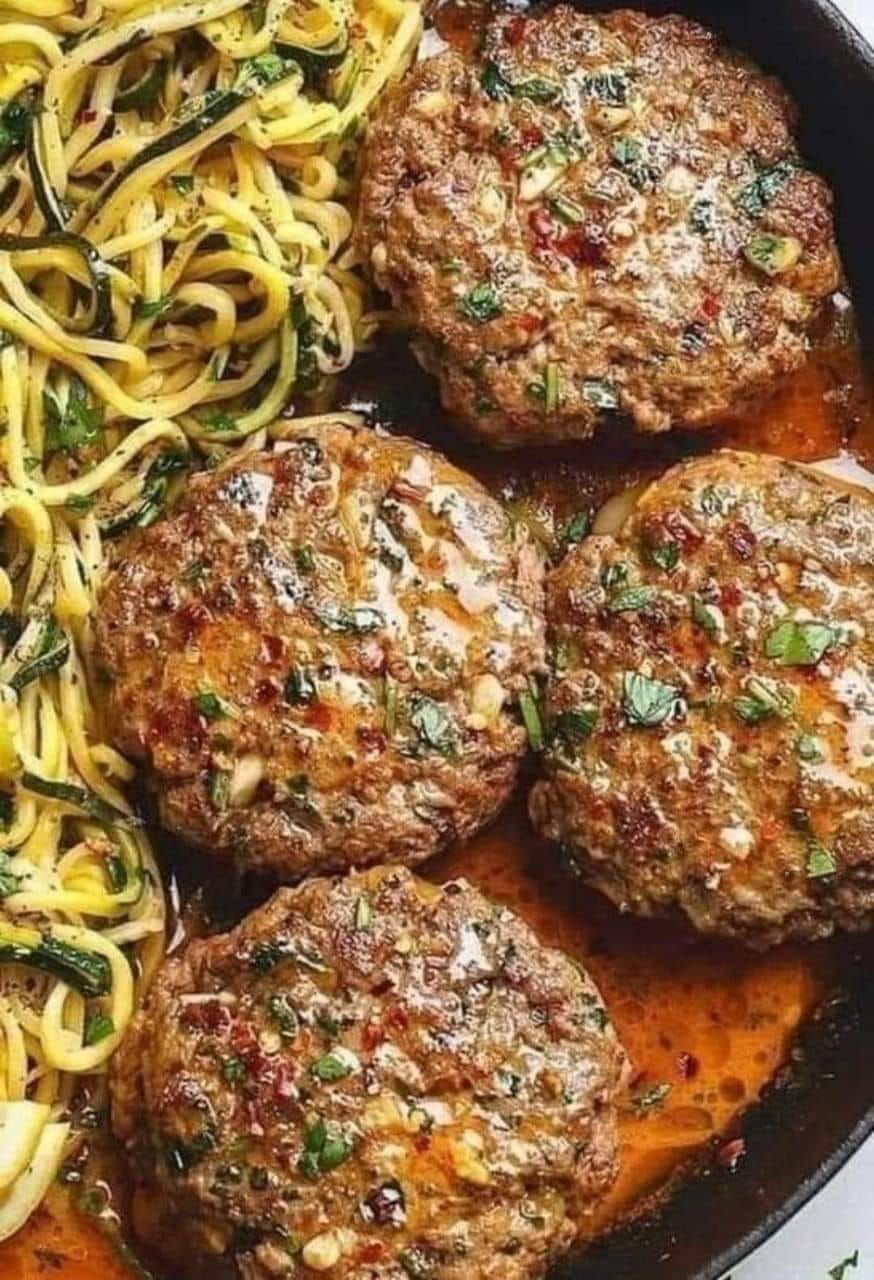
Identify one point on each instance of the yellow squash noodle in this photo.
(177, 281)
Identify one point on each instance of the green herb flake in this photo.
(149, 310)
(799, 644)
(702, 218)
(652, 1097)
(647, 702)
(576, 529)
(211, 706)
(839, 1272)
(331, 1067)
(762, 700)
(9, 882)
(704, 616)
(481, 304)
(233, 1068)
(300, 688)
(821, 861)
(808, 749)
(600, 394)
(97, 1028)
(74, 424)
(304, 559)
(754, 198)
(631, 599)
(322, 1151)
(530, 709)
(571, 727)
(284, 1014)
(182, 183)
(433, 725)
(219, 784)
(664, 555)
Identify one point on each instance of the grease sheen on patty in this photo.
(711, 708)
(372, 1077)
(596, 213)
(318, 654)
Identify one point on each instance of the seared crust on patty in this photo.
(596, 213)
(711, 712)
(318, 654)
(371, 1076)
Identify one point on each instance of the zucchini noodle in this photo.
(177, 282)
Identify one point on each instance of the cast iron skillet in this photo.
(813, 1120)
(822, 1108)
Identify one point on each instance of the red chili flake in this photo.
(272, 648)
(586, 247)
(688, 1066)
(711, 306)
(192, 618)
(769, 830)
(531, 136)
(529, 321)
(88, 116)
(514, 32)
(210, 1016)
(741, 539)
(373, 741)
(372, 1252)
(730, 596)
(542, 223)
(371, 1036)
(422, 1142)
(265, 691)
(382, 988)
(319, 716)
(182, 722)
(283, 1084)
(397, 1017)
(682, 530)
(731, 1154)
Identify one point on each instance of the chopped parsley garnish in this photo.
(762, 700)
(821, 861)
(702, 217)
(756, 197)
(182, 183)
(647, 702)
(600, 393)
(219, 785)
(704, 616)
(630, 599)
(535, 88)
(576, 528)
(808, 749)
(322, 1151)
(433, 725)
(284, 1014)
(849, 1264)
(358, 620)
(148, 310)
(211, 706)
(73, 425)
(233, 1068)
(799, 644)
(304, 559)
(14, 125)
(330, 1067)
(97, 1028)
(300, 688)
(715, 501)
(482, 304)
(628, 154)
(9, 881)
(654, 1096)
(530, 709)
(664, 555)
(614, 575)
(610, 87)
(569, 728)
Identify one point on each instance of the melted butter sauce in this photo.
(706, 1027)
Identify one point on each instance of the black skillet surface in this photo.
(822, 1108)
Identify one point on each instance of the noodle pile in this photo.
(175, 274)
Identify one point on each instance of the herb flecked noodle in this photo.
(174, 272)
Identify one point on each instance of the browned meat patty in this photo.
(318, 654)
(373, 1077)
(710, 739)
(596, 213)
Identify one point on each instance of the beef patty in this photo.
(710, 739)
(596, 213)
(318, 654)
(373, 1077)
